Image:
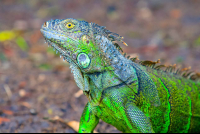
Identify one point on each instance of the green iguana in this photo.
(133, 97)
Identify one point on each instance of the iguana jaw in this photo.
(56, 46)
(78, 75)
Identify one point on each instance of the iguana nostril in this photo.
(45, 24)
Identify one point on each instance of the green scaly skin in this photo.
(127, 95)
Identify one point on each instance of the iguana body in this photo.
(127, 95)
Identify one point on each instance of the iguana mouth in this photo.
(57, 46)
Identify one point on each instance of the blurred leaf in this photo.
(78, 94)
(179, 59)
(197, 42)
(51, 51)
(7, 112)
(26, 104)
(50, 111)
(133, 34)
(176, 13)
(8, 51)
(2, 57)
(74, 125)
(46, 11)
(22, 84)
(7, 35)
(45, 66)
(22, 43)
(3, 120)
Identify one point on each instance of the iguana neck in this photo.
(121, 65)
(128, 71)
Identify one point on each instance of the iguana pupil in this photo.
(83, 60)
(70, 25)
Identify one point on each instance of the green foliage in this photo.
(45, 66)
(179, 59)
(12, 35)
(2, 57)
(51, 51)
(197, 42)
(22, 43)
(7, 35)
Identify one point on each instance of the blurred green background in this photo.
(37, 87)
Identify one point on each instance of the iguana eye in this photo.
(83, 60)
(70, 25)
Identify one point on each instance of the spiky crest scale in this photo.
(195, 76)
(153, 64)
(100, 30)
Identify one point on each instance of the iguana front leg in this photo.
(136, 120)
(88, 120)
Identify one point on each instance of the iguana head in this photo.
(90, 50)
(85, 45)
